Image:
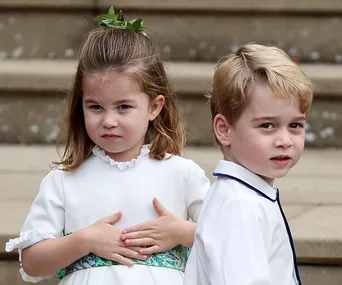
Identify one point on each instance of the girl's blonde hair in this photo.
(236, 75)
(106, 49)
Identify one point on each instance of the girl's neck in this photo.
(127, 155)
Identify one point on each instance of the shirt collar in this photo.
(244, 176)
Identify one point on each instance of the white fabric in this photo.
(69, 201)
(122, 165)
(241, 237)
(27, 239)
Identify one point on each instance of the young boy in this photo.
(259, 107)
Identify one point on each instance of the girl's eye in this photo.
(123, 107)
(95, 107)
(267, 126)
(297, 126)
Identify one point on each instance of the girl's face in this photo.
(117, 113)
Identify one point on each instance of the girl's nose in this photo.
(110, 119)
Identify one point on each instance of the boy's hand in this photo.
(103, 239)
(158, 235)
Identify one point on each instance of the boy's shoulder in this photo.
(229, 198)
(237, 191)
(238, 183)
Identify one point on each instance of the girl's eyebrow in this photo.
(119, 102)
(125, 101)
(90, 101)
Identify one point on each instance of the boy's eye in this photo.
(267, 126)
(95, 107)
(297, 126)
(123, 107)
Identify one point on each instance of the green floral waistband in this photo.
(175, 258)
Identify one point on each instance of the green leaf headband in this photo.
(117, 21)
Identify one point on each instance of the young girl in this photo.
(123, 138)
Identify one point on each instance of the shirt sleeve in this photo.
(234, 247)
(45, 219)
(197, 188)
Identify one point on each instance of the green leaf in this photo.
(111, 11)
(136, 24)
(142, 27)
(121, 17)
(111, 15)
(117, 21)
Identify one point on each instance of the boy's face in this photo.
(268, 139)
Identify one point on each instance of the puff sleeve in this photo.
(45, 220)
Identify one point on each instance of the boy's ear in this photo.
(155, 107)
(221, 129)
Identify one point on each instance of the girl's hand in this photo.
(103, 239)
(161, 234)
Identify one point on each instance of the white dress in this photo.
(69, 201)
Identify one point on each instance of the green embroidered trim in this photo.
(175, 258)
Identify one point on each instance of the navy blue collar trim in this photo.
(247, 185)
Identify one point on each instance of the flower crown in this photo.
(117, 21)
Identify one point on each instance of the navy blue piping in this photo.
(291, 241)
(246, 184)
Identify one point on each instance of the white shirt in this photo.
(69, 201)
(241, 236)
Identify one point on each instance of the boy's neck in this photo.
(228, 157)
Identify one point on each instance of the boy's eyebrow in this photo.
(300, 118)
(270, 118)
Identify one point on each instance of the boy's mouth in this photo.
(281, 158)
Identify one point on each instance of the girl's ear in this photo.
(221, 129)
(155, 107)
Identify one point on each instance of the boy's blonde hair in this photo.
(130, 52)
(237, 74)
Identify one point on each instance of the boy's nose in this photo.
(283, 140)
